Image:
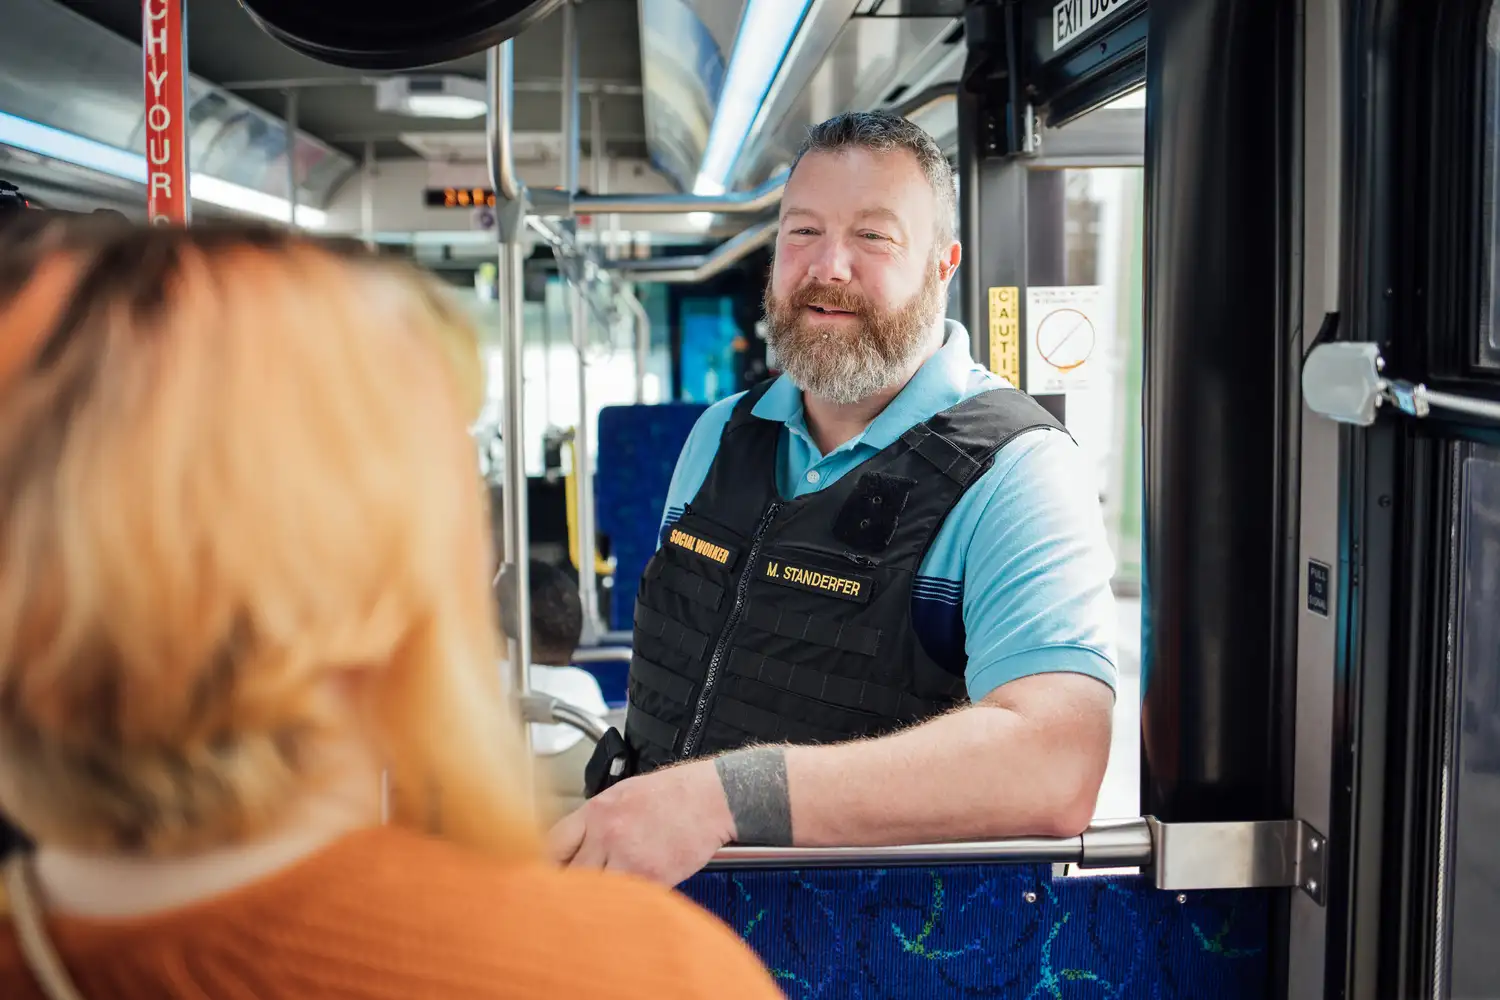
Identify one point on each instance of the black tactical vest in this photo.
(769, 620)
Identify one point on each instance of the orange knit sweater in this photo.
(390, 915)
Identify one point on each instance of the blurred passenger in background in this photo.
(556, 624)
(244, 574)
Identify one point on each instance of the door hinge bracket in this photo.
(1344, 382)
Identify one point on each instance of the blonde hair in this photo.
(234, 467)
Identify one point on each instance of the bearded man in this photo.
(881, 609)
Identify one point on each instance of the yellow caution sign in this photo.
(1005, 333)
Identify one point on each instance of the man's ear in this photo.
(949, 259)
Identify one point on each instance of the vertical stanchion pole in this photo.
(583, 436)
(640, 333)
(367, 196)
(510, 222)
(164, 48)
(292, 180)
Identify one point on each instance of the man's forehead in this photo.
(874, 212)
(887, 166)
(869, 184)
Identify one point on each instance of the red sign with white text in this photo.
(164, 42)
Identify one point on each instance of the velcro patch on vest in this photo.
(844, 586)
(697, 545)
(868, 519)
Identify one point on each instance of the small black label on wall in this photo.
(1317, 587)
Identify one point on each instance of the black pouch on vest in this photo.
(609, 765)
(868, 519)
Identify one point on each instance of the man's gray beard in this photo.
(838, 372)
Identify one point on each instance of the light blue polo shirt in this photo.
(1018, 577)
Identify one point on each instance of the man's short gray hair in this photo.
(884, 132)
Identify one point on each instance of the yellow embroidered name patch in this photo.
(711, 551)
(817, 581)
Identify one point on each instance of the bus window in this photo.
(1083, 342)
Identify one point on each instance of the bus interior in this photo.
(1244, 251)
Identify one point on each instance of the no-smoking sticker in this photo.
(1065, 339)
(1064, 329)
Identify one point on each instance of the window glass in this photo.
(550, 372)
(1083, 300)
(1474, 863)
(1489, 315)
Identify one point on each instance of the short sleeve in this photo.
(696, 458)
(1037, 596)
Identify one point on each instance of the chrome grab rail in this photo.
(1106, 844)
(1253, 854)
(603, 654)
(758, 199)
(699, 268)
(547, 710)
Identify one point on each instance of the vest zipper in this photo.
(742, 591)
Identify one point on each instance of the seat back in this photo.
(992, 931)
(638, 447)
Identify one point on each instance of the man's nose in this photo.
(830, 261)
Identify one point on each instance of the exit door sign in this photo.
(1072, 19)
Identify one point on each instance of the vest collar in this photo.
(942, 382)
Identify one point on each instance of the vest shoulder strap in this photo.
(961, 441)
(741, 480)
(744, 410)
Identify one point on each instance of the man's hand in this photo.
(664, 826)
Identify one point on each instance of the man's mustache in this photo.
(830, 296)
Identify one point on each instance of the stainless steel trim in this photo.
(583, 431)
(547, 710)
(1114, 843)
(1322, 72)
(1129, 843)
(500, 72)
(367, 197)
(609, 654)
(642, 323)
(1248, 855)
(510, 283)
(1176, 856)
(690, 270)
(1426, 398)
(751, 202)
(292, 181)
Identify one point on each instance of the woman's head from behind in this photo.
(241, 533)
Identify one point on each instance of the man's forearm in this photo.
(755, 787)
(983, 771)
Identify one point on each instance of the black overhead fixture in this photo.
(394, 35)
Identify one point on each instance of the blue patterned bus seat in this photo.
(991, 931)
(637, 448)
